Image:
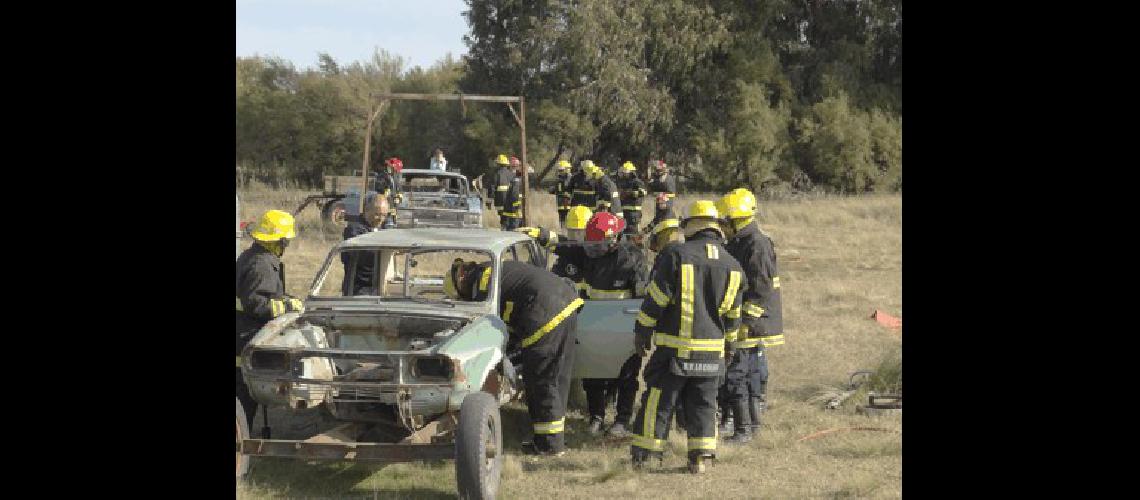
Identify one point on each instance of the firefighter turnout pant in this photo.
(734, 393)
(663, 391)
(599, 391)
(546, 368)
(632, 221)
(758, 375)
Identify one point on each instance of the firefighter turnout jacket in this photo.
(512, 201)
(763, 310)
(582, 190)
(664, 183)
(632, 192)
(620, 274)
(540, 310)
(532, 300)
(692, 305)
(561, 192)
(260, 291)
(500, 183)
(609, 198)
(387, 183)
(570, 262)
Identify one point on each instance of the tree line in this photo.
(798, 95)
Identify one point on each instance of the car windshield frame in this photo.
(333, 259)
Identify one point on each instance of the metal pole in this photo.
(364, 168)
(525, 169)
(368, 152)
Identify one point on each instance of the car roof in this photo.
(485, 239)
(437, 173)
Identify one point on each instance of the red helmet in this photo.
(660, 164)
(604, 225)
(395, 163)
(515, 162)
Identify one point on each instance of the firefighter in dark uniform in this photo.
(663, 182)
(763, 319)
(388, 184)
(561, 191)
(609, 198)
(613, 271)
(261, 288)
(358, 265)
(510, 218)
(540, 310)
(582, 186)
(664, 212)
(500, 182)
(691, 310)
(632, 192)
(570, 260)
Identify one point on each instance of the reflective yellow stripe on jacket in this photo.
(553, 323)
(772, 340)
(746, 344)
(688, 344)
(658, 296)
(685, 329)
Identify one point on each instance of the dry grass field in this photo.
(840, 258)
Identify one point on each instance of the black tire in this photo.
(242, 433)
(480, 431)
(333, 213)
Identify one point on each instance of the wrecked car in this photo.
(411, 374)
(430, 198)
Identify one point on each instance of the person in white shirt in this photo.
(438, 162)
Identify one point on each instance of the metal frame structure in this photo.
(520, 118)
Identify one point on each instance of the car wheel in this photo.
(478, 447)
(242, 434)
(333, 213)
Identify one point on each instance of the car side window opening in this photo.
(389, 273)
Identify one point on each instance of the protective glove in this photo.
(543, 236)
(292, 304)
(533, 232)
(729, 353)
(642, 343)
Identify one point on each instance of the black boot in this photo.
(698, 459)
(743, 432)
(641, 457)
(725, 420)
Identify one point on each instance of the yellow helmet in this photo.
(628, 167)
(577, 217)
(739, 203)
(563, 165)
(663, 232)
(274, 225)
(702, 215)
(597, 172)
(703, 209)
(502, 160)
